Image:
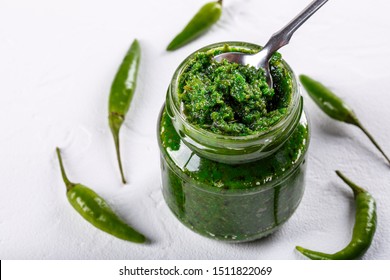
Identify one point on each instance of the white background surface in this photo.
(57, 62)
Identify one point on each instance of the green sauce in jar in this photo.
(233, 187)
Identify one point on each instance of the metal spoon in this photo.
(278, 40)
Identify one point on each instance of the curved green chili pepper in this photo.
(95, 210)
(121, 94)
(199, 24)
(334, 106)
(363, 231)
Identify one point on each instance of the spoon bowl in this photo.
(257, 60)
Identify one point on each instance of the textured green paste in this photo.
(233, 99)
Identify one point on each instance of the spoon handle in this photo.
(283, 36)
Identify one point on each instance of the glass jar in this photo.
(233, 188)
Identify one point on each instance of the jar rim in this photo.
(174, 85)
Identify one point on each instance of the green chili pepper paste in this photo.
(233, 99)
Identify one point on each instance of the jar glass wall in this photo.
(241, 197)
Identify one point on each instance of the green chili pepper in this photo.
(335, 107)
(95, 210)
(363, 231)
(199, 24)
(121, 94)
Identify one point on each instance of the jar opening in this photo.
(195, 59)
(210, 143)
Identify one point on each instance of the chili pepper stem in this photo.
(365, 131)
(69, 184)
(115, 122)
(118, 155)
(220, 1)
(356, 189)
